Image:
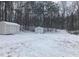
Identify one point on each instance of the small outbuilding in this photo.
(9, 28)
(39, 30)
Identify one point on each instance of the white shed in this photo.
(9, 28)
(39, 30)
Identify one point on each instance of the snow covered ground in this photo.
(54, 44)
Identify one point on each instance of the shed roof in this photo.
(9, 23)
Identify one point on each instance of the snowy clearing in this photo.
(54, 44)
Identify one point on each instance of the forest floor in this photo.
(30, 44)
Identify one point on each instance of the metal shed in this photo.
(39, 30)
(9, 28)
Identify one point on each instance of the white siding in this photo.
(9, 28)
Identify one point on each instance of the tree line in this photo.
(48, 14)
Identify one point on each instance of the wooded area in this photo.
(47, 14)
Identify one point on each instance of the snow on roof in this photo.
(39, 27)
(9, 23)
